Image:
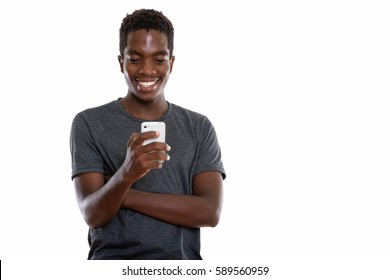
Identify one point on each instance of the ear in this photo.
(171, 61)
(120, 60)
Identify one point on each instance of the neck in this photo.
(149, 111)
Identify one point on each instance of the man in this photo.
(146, 201)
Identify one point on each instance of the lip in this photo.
(147, 84)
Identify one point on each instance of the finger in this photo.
(149, 135)
(157, 156)
(157, 160)
(155, 164)
(156, 146)
(133, 137)
(137, 139)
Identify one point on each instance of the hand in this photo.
(141, 159)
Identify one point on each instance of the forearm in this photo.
(99, 198)
(182, 210)
(99, 207)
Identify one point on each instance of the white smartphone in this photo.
(154, 126)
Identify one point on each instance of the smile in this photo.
(147, 84)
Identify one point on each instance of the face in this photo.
(146, 64)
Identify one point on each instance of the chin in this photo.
(148, 97)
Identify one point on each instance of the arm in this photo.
(100, 199)
(203, 208)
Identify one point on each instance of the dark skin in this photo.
(146, 65)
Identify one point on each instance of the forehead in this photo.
(147, 41)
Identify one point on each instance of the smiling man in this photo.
(146, 201)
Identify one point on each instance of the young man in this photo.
(146, 201)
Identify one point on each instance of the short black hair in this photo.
(145, 19)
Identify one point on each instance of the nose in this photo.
(146, 68)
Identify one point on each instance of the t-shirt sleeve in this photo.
(84, 152)
(209, 156)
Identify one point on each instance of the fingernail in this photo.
(168, 148)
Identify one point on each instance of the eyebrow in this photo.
(134, 52)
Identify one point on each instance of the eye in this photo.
(134, 60)
(160, 60)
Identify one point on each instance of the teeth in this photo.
(147, 84)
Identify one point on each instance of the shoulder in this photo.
(196, 124)
(188, 115)
(98, 111)
(95, 117)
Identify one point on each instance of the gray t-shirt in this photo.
(98, 143)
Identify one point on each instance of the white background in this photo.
(298, 92)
